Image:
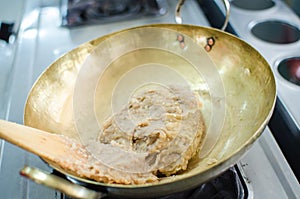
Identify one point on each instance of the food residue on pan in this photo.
(157, 132)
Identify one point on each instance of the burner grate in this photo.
(229, 185)
(84, 12)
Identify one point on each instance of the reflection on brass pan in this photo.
(250, 95)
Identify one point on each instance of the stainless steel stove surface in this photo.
(273, 28)
(263, 172)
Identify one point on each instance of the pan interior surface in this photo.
(139, 58)
(248, 89)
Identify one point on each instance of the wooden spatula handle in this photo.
(41, 143)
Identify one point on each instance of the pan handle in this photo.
(60, 184)
(180, 3)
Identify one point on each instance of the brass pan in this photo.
(250, 93)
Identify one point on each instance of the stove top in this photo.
(42, 39)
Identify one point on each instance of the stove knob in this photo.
(6, 31)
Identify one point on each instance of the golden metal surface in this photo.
(250, 97)
(58, 183)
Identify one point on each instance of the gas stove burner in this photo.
(82, 12)
(110, 8)
(230, 184)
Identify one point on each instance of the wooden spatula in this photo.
(47, 145)
(67, 154)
